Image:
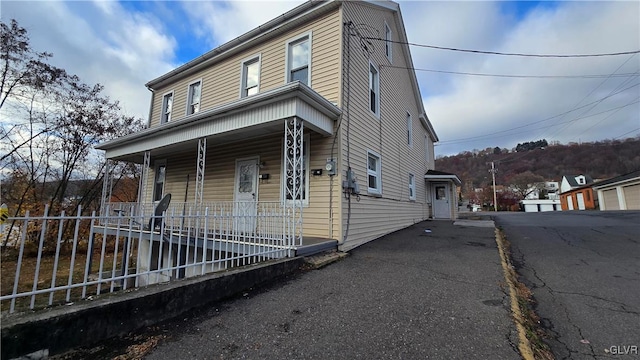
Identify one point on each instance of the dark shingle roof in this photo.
(616, 179)
(571, 179)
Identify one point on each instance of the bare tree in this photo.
(525, 183)
(55, 122)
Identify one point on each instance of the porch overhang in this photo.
(433, 175)
(249, 117)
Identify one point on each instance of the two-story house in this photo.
(316, 115)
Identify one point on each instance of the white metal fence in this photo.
(57, 259)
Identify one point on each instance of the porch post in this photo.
(142, 188)
(107, 187)
(202, 152)
(294, 176)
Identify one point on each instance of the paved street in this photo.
(584, 270)
(409, 295)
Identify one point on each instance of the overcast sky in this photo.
(122, 45)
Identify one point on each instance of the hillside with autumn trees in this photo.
(600, 160)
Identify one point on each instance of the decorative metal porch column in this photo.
(107, 187)
(294, 176)
(144, 178)
(202, 153)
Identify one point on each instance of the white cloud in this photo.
(101, 42)
(123, 46)
(219, 21)
(471, 106)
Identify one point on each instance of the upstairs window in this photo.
(374, 90)
(299, 59)
(250, 77)
(374, 173)
(167, 105)
(412, 187)
(193, 99)
(388, 45)
(409, 130)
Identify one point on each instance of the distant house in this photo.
(576, 193)
(570, 182)
(619, 193)
(549, 191)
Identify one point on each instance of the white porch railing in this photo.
(59, 258)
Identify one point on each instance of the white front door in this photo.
(570, 202)
(580, 198)
(245, 208)
(441, 206)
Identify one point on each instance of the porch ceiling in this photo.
(249, 117)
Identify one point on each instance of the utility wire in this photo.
(596, 88)
(628, 132)
(592, 76)
(460, 141)
(539, 121)
(505, 53)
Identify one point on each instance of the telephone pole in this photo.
(493, 176)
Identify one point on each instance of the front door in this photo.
(246, 195)
(441, 206)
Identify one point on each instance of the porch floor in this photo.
(310, 245)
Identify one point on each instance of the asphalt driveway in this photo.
(409, 295)
(584, 270)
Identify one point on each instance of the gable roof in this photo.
(298, 15)
(628, 176)
(571, 179)
(441, 175)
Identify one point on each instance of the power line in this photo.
(543, 120)
(597, 87)
(505, 53)
(459, 141)
(593, 76)
(628, 132)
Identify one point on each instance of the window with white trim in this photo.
(250, 77)
(159, 179)
(299, 60)
(288, 187)
(412, 187)
(388, 45)
(193, 98)
(167, 105)
(409, 130)
(374, 89)
(374, 173)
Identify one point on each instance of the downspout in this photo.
(153, 94)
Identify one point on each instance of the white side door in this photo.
(580, 198)
(441, 206)
(570, 202)
(245, 208)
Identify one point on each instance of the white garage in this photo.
(619, 193)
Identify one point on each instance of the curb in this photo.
(524, 345)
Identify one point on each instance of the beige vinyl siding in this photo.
(221, 81)
(373, 216)
(632, 196)
(219, 177)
